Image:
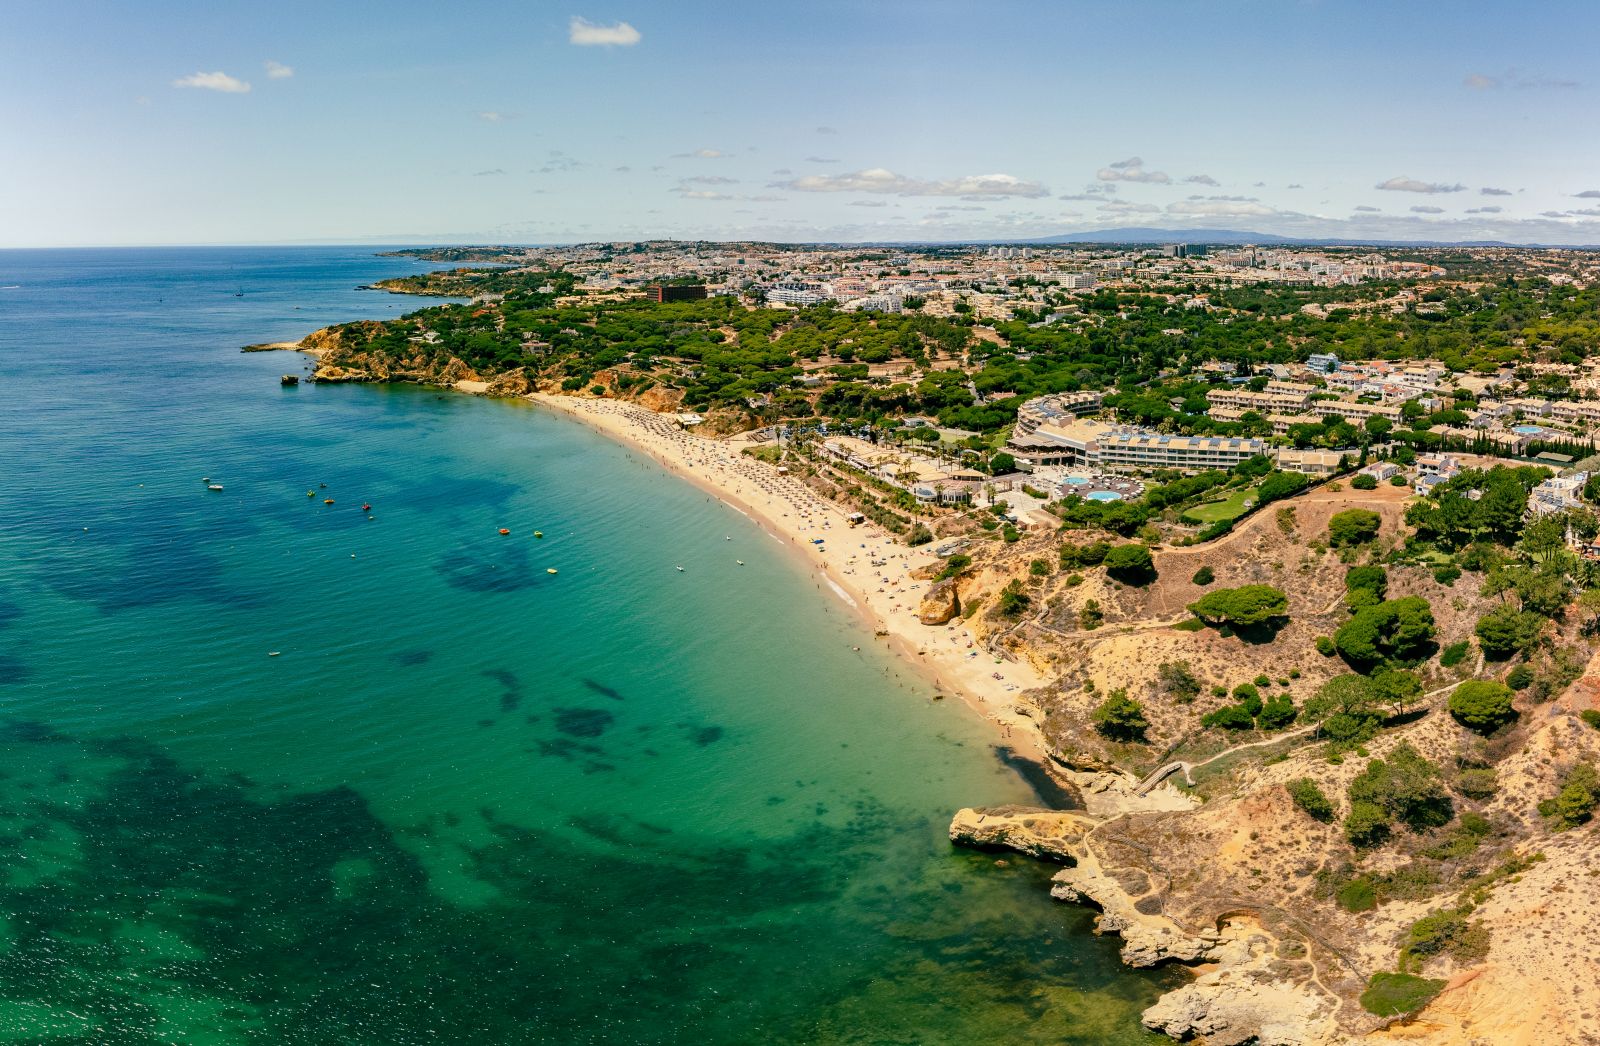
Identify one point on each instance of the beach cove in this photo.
(466, 798)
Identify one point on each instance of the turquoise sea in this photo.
(468, 800)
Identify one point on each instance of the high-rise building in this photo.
(660, 292)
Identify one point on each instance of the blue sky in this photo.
(873, 119)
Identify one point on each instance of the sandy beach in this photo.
(863, 566)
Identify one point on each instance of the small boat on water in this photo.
(549, 570)
(273, 653)
(327, 501)
(366, 508)
(679, 569)
(504, 531)
(289, 379)
(213, 486)
(538, 533)
(740, 562)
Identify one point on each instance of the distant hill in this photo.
(1143, 234)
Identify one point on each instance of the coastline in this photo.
(885, 598)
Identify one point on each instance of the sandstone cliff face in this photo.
(941, 604)
(1248, 993)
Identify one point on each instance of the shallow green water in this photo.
(468, 800)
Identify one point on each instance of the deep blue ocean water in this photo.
(468, 800)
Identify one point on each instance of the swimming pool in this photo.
(1525, 430)
(1076, 481)
(1104, 495)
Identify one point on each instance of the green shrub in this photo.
(1013, 601)
(1446, 932)
(1357, 895)
(1454, 654)
(1353, 526)
(1405, 788)
(1520, 678)
(1394, 630)
(1447, 574)
(1229, 717)
(953, 566)
(1506, 630)
(1398, 481)
(1204, 576)
(1397, 994)
(1478, 783)
(1575, 803)
(1325, 646)
(1364, 481)
(1130, 564)
(1247, 605)
(1590, 716)
(1482, 705)
(1121, 718)
(1178, 680)
(1277, 713)
(1366, 825)
(1308, 797)
(1373, 578)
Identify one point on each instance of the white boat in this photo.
(679, 569)
(213, 486)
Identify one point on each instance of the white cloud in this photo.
(1427, 210)
(213, 82)
(587, 34)
(1221, 208)
(1131, 170)
(701, 154)
(710, 179)
(1483, 210)
(1588, 194)
(867, 203)
(1127, 207)
(821, 159)
(489, 173)
(1404, 184)
(277, 70)
(1369, 210)
(1489, 190)
(1518, 80)
(880, 180)
(960, 207)
(1201, 179)
(493, 117)
(702, 194)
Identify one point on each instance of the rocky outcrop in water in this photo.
(1248, 993)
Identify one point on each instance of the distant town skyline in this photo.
(896, 120)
